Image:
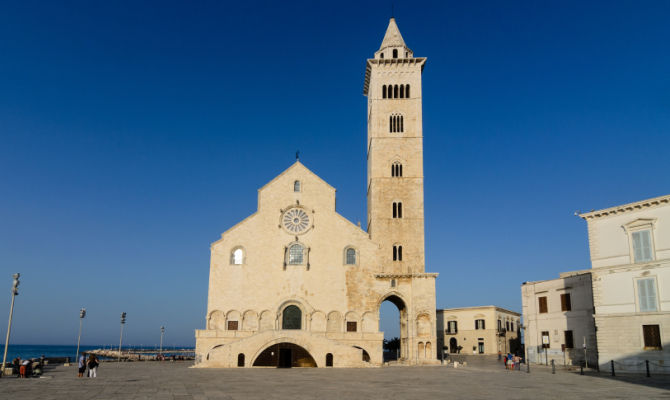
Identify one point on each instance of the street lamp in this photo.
(82, 314)
(162, 333)
(123, 322)
(15, 291)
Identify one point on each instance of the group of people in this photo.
(511, 361)
(27, 368)
(91, 363)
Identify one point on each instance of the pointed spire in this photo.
(392, 38)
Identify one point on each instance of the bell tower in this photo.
(395, 154)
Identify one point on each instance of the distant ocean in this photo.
(35, 351)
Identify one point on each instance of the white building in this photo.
(628, 297)
(630, 257)
(558, 320)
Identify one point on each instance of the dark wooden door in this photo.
(285, 358)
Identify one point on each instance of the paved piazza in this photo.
(168, 380)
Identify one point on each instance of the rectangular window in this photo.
(569, 342)
(499, 325)
(543, 304)
(545, 339)
(452, 327)
(642, 246)
(479, 324)
(566, 305)
(646, 294)
(652, 337)
(507, 325)
(351, 326)
(232, 325)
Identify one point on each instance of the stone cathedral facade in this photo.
(297, 285)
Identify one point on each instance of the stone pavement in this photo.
(168, 380)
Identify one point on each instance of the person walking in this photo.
(92, 366)
(81, 365)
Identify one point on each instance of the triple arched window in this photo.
(397, 253)
(395, 91)
(397, 210)
(396, 123)
(396, 169)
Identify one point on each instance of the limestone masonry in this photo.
(296, 284)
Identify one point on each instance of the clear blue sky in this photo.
(132, 134)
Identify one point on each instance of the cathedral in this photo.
(296, 284)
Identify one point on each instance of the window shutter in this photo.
(637, 246)
(651, 294)
(645, 240)
(642, 294)
(483, 324)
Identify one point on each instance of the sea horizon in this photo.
(28, 351)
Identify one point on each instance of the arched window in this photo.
(237, 256)
(395, 91)
(395, 53)
(396, 169)
(329, 360)
(397, 253)
(384, 92)
(296, 254)
(296, 186)
(350, 256)
(381, 55)
(396, 123)
(292, 318)
(407, 90)
(402, 91)
(240, 360)
(397, 210)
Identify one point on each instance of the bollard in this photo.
(647, 362)
(553, 367)
(612, 364)
(527, 367)
(581, 369)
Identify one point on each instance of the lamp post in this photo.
(15, 291)
(82, 314)
(123, 322)
(160, 351)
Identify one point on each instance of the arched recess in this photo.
(365, 356)
(421, 351)
(267, 321)
(429, 350)
(212, 353)
(233, 320)
(395, 299)
(423, 325)
(250, 321)
(318, 322)
(370, 322)
(217, 320)
(334, 323)
(284, 355)
(351, 322)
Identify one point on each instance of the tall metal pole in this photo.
(15, 291)
(161, 348)
(82, 314)
(123, 321)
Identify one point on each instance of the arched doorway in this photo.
(453, 345)
(284, 355)
(393, 322)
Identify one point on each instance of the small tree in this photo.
(392, 345)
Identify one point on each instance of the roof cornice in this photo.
(636, 206)
(384, 61)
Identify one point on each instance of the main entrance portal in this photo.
(284, 355)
